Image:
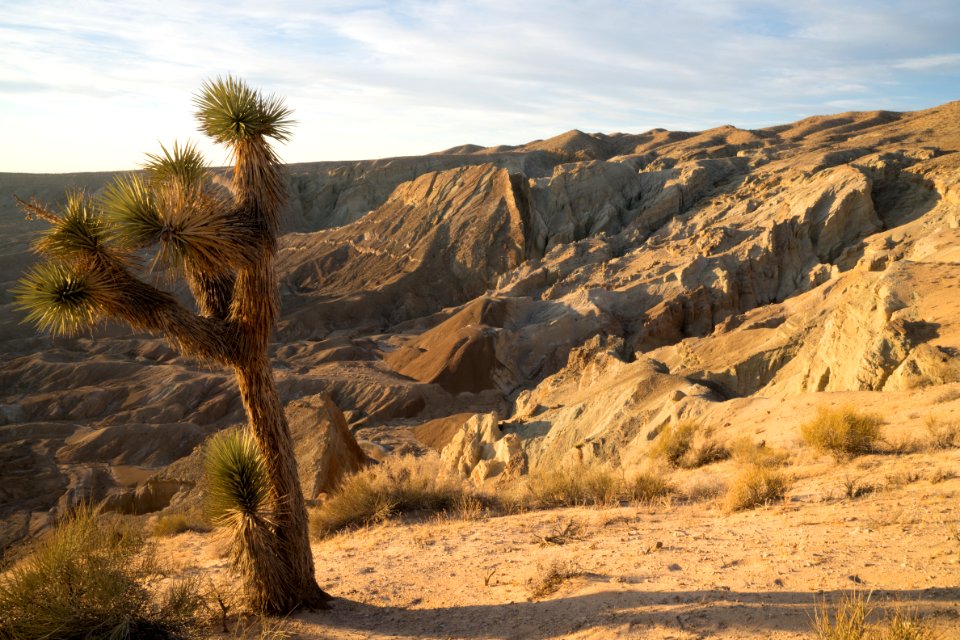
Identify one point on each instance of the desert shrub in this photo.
(551, 578)
(703, 489)
(843, 432)
(396, 486)
(746, 451)
(942, 434)
(907, 444)
(849, 622)
(903, 624)
(645, 486)
(673, 442)
(89, 579)
(754, 486)
(685, 444)
(172, 524)
(854, 488)
(573, 485)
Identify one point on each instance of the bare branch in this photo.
(36, 209)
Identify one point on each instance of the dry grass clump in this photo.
(746, 451)
(687, 445)
(704, 488)
(646, 486)
(755, 485)
(904, 624)
(574, 485)
(850, 621)
(89, 579)
(176, 523)
(551, 578)
(943, 434)
(854, 487)
(843, 432)
(404, 484)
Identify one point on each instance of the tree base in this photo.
(310, 598)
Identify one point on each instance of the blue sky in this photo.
(92, 84)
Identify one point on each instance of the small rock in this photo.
(674, 567)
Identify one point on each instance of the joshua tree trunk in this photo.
(272, 433)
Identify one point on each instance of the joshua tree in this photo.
(223, 245)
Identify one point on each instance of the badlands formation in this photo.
(521, 308)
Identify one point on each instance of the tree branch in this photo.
(147, 308)
(36, 209)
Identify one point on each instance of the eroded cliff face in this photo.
(521, 306)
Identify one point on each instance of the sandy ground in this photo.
(666, 570)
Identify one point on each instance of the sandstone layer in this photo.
(521, 306)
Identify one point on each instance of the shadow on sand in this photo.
(629, 612)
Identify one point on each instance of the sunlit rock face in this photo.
(522, 306)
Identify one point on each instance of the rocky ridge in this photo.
(576, 293)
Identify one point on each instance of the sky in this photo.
(91, 85)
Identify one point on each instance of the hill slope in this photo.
(587, 289)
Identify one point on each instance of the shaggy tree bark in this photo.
(270, 428)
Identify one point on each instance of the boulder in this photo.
(479, 450)
(325, 448)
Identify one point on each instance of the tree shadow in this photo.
(703, 611)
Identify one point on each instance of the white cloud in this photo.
(951, 60)
(92, 85)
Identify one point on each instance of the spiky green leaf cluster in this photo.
(193, 226)
(229, 111)
(239, 501)
(237, 480)
(79, 232)
(181, 165)
(62, 299)
(132, 212)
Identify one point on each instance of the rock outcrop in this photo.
(326, 450)
(480, 451)
(587, 289)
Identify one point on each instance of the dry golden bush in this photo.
(754, 486)
(843, 432)
(399, 485)
(686, 444)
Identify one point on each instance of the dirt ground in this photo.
(667, 570)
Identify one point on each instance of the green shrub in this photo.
(88, 579)
(754, 486)
(843, 432)
(394, 487)
(685, 444)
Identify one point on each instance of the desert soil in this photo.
(672, 569)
